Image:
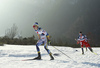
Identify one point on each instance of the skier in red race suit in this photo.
(82, 39)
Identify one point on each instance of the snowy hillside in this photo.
(11, 56)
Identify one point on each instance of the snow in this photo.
(11, 56)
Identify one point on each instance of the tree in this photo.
(12, 32)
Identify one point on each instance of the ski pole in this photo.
(62, 52)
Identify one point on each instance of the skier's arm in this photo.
(78, 40)
(38, 36)
(47, 35)
(48, 38)
(49, 41)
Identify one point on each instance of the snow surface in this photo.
(11, 56)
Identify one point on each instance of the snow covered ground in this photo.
(11, 56)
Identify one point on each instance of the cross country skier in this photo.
(43, 39)
(82, 39)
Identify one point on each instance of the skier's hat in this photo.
(80, 32)
(35, 24)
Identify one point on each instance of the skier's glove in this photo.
(49, 42)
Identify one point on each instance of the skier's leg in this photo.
(37, 47)
(85, 45)
(38, 50)
(46, 48)
(81, 43)
(90, 49)
(82, 50)
(86, 48)
(88, 45)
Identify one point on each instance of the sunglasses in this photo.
(34, 26)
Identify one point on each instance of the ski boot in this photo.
(82, 53)
(52, 58)
(38, 58)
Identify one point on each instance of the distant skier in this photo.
(43, 39)
(82, 39)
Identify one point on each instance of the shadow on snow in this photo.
(92, 64)
(19, 55)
